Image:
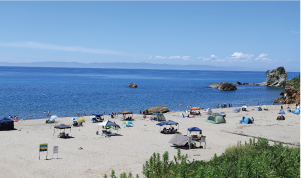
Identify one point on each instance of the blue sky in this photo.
(246, 34)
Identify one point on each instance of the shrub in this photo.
(281, 70)
(253, 159)
(296, 82)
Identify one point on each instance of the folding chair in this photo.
(203, 139)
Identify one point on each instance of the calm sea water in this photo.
(66, 91)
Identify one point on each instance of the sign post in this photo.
(43, 147)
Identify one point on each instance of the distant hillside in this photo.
(129, 66)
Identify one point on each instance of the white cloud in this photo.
(174, 57)
(240, 55)
(160, 57)
(150, 57)
(295, 32)
(185, 58)
(213, 56)
(261, 56)
(36, 45)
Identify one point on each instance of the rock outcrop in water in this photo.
(157, 109)
(133, 85)
(224, 86)
(239, 83)
(276, 78)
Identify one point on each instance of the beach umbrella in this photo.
(54, 117)
(108, 123)
(74, 119)
(125, 112)
(264, 106)
(81, 119)
(245, 106)
(222, 113)
(93, 116)
(195, 108)
(128, 122)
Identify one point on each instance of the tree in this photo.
(267, 72)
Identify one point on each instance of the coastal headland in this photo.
(87, 154)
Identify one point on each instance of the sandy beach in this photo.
(135, 145)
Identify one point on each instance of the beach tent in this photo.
(258, 109)
(6, 124)
(181, 115)
(128, 124)
(169, 122)
(194, 129)
(191, 129)
(235, 110)
(208, 110)
(297, 111)
(215, 118)
(62, 126)
(222, 113)
(246, 120)
(179, 140)
(281, 117)
(159, 116)
(281, 111)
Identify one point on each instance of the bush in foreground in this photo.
(249, 160)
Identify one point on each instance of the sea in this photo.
(33, 92)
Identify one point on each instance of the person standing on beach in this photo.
(281, 107)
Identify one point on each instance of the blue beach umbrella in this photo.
(74, 119)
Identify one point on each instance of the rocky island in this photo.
(133, 85)
(224, 86)
(275, 78)
(157, 109)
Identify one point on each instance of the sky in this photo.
(220, 33)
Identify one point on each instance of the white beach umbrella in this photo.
(54, 117)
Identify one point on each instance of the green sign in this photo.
(43, 147)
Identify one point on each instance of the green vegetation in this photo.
(267, 72)
(248, 160)
(296, 82)
(281, 70)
